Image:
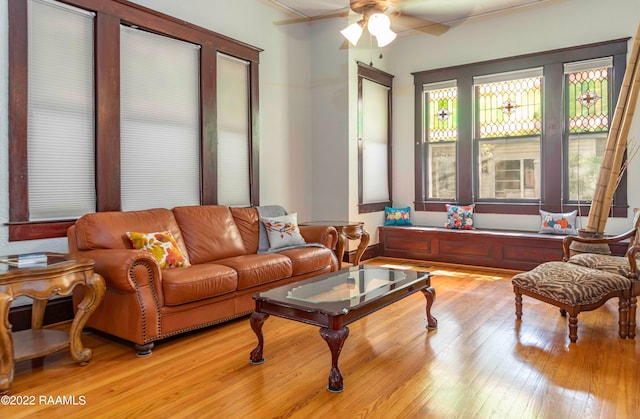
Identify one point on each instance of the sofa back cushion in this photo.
(248, 222)
(107, 230)
(210, 232)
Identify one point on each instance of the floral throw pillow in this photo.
(561, 223)
(460, 217)
(397, 216)
(283, 231)
(162, 246)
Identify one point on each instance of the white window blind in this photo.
(60, 123)
(233, 131)
(375, 135)
(160, 128)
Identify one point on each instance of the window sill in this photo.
(516, 208)
(19, 231)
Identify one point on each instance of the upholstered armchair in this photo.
(626, 265)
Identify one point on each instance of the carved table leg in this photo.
(335, 339)
(430, 295)
(94, 292)
(362, 246)
(257, 320)
(6, 344)
(342, 239)
(37, 313)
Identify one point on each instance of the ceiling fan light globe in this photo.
(385, 38)
(378, 23)
(352, 33)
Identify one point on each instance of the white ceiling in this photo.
(449, 12)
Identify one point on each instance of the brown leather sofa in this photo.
(144, 303)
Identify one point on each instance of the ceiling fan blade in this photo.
(418, 24)
(310, 18)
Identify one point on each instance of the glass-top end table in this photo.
(40, 277)
(334, 300)
(347, 230)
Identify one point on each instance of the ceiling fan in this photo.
(377, 16)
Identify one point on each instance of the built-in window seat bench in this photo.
(506, 249)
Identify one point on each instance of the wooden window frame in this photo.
(109, 15)
(378, 76)
(553, 138)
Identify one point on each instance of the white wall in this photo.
(550, 26)
(308, 97)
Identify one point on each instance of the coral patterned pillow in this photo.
(460, 217)
(162, 246)
(283, 231)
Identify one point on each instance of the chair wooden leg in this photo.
(623, 317)
(632, 317)
(573, 327)
(518, 304)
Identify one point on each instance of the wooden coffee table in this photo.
(334, 300)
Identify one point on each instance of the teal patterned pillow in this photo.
(460, 217)
(397, 216)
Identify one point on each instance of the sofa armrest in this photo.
(566, 242)
(125, 269)
(325, 235)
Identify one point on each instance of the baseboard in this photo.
(371, 252)
(58, 310)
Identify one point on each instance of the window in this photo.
(374, 139)
(587, 86)
(440, 135)
(102, 123)
(526, 133)
(159, 121)
(508, 124)
(233, 131)
(60, 115)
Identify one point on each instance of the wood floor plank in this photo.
(480, 362)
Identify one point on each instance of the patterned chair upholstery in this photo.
(574, 289)
(622, 265)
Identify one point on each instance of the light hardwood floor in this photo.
(479, 363)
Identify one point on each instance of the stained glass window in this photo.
(440, 137)
(441, 119)
(509, 108)
(587, 94)
(587, 88)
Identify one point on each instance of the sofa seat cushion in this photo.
(258, 269)
(305, 260)
(197, 282)
(615, 264)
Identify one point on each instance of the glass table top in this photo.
(25, 263)
(344, 289)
